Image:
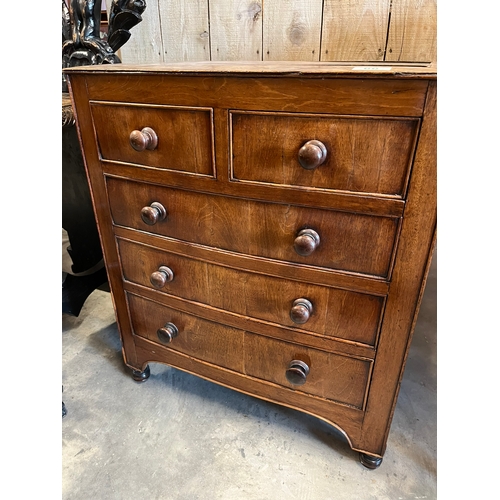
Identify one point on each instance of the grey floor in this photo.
(182, 438)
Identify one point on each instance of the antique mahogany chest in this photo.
(267, 226)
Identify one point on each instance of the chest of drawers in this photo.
(267, 227)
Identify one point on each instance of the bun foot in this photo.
(139, 376)
(369, 461)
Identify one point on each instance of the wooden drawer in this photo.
(249, 220)
(348, 242)
(363, 154)
(185, 136)
(331, 376)
(334, 313)
(202, 339)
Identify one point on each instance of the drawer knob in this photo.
(306, 242)
(301, 311)
(154, 213)
(143, 139)
(312, 154)
(297, 372)
(161, 277)
(167, 333)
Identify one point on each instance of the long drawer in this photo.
(335, 240)
(311, 308)
(330, 376)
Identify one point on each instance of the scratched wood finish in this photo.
(226, 239)
(265, 149)
(356, 315)
(349, 242)
(287, 30)
(290, 69)
(185, 138)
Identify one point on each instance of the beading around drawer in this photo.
(360, 154)
(165, 137)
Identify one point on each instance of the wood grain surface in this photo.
(228, 237)
(287, 30)
(336, 313)
(356, 243)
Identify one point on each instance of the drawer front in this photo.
(326, 311)
(365, 155)
(348, 242)
(205, 340)
(184, 136)
(331, 376)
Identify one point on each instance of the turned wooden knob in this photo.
(167, 333)
(143, 139)
(306, 242)
(161, 277)
(301, 311)
(297, 372)
(154, 213)
(312, 154)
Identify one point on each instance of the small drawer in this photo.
(356, 154)
(326, 311)
(165, 137)
(300, 235)
(330, 376)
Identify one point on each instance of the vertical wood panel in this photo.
(145, 45)
(412, 32)
(350, 30)
(185, 30)
(354, 30)
(236, 30)
(292, 30)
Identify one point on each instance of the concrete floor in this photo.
(178, 437)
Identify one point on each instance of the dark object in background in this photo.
(64, 411)
(83, 43)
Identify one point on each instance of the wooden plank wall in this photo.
(272, 30)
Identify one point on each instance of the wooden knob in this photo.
(167, 333)
(154, 213)
(297, 372)
(161, 277)
(301, 311)
(306, 242)
(143, 139)
(312, 154)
